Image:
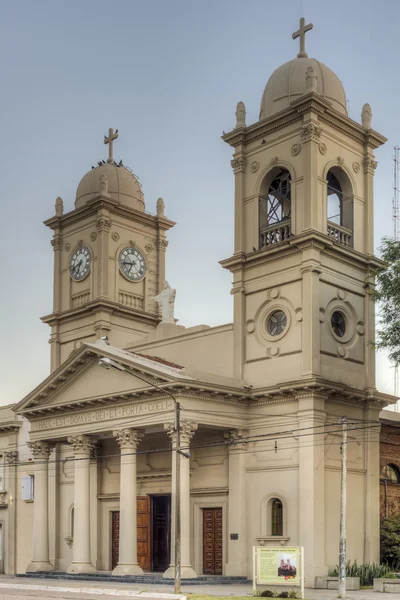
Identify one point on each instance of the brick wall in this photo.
(390, 455)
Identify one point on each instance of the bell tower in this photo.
(303, 245)
(109, 260)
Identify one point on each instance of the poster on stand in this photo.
(278, 566)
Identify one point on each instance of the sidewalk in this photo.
(166, 591)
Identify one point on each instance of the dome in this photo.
(288, 83)
(113, 180)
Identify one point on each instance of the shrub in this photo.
(366, 572)
(390, 541)
(267, 593)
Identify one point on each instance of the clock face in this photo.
(79, 265)
(132, 264)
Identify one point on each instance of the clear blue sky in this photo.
(168, 75)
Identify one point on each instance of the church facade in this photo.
(88, 457)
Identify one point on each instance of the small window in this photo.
(338, 323)
(276, 323)
(276, 517)
(27, 491)
(390, 473)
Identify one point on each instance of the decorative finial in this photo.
(109, 140)
(240, 115)
(301, 33)
(366, 116)
(311, 80)
(59, 207)
(104, 185)
(160, 207)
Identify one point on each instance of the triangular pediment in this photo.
(81, 380)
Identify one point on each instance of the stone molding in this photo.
(369, 165)
(103, 224)
(128, 438)
(56, 242)
(238, 165)
(235, 438)
(311, 133)
(40, 450)
(82, 444)
(188, 429)
(11, 457)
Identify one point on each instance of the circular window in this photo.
(276, 323)
(338, 323)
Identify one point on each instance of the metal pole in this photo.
(178, 498)
(343, 503)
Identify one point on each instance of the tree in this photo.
(387, 293)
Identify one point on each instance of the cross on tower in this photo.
(301, 33)
(109, 140)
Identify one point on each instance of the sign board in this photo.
(281, 566)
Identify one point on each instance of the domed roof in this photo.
(113, 180)
(288, 83)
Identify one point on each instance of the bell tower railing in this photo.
(339, 234)
(276, 233)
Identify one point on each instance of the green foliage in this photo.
(390, 541)
(366, 572)
(387, 292)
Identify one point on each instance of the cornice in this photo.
(97, 306)
(114, 208)
(310, 102)
(8, 426)
(298, 243)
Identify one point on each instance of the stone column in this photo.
(236, 563)
(40, 560)
(188, 429)
(128, 440)
(83, 447)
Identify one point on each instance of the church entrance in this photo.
(160, 532)
(153, 533)
(212, 541)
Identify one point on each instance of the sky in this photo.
(167, 74)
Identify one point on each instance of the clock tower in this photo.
(109, 259)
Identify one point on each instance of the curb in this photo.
(94, 591)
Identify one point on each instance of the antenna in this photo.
(396, 236)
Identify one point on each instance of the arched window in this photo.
(339, 207)
(390, 473)
(275, 208)
(276, 517)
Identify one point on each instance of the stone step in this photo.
(150, 578)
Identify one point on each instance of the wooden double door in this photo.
(153, 533)
(212, 541)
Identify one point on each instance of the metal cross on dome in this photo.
(109, 140)
(301, 33)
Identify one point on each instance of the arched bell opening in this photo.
(340, 207)
(275, 207)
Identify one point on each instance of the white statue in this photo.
(166, 300)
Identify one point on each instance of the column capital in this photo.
(40, 450)
(235, 438)
(128, 438)
(187, 430)
(82, 444)
(11, 457)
